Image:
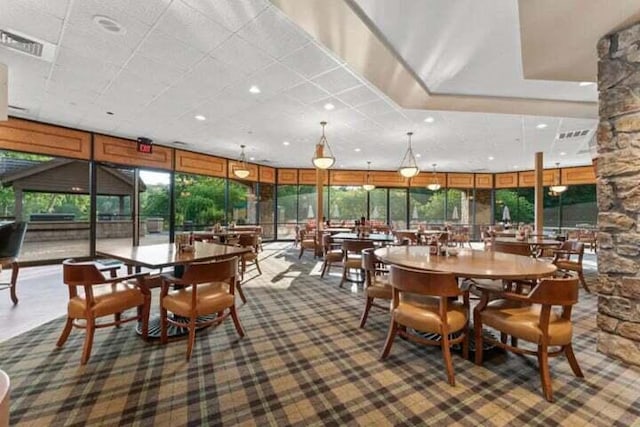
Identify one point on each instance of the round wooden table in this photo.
(468, 263)
(537, 242)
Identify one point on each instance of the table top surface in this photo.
(166, 254)
(223, 232)
(376, 237)
(468, 263)
(535, 241)
(416, 231)
(338, 229)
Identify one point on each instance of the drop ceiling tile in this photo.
(228, 102)
(358, 95)
(376, 108)
(310, 61)
(23, 69)
(337, 106)
(57, 8)
(132, 88)
(241, 54)
(30, 22)
(211, 75)
(72, 61)
(95, 45)
(336, 80)
(231, 14)
(166, 49)
(79, 79)
(272, 80)
(273, 33)
(151, 69)
(192, 27)
(307, 92)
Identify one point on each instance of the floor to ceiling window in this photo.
(348, 203)
(398, 208)
(287, 211)
(154, 207)
(378, 198)
(243, 202)
(200, 201)
(266, 199)
(426, 207)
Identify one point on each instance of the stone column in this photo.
(618, 185)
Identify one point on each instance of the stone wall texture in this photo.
(618, 187)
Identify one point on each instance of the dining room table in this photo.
(168, 255)
(374, 237)
(536, 243)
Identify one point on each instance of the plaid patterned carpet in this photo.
(304, 362)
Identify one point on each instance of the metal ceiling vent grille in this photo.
(573, 134)
(21, 44)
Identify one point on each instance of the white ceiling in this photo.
(181, 58)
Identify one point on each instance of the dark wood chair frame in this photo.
(371, 270)
(566, 253)
(352, 247)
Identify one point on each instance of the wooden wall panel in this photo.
(579, 175)
(388, 179)
(528, 178)
(31, 137)
(201, 164)
(425, 178)
(340, 177)
(267, 174)
(125, 152)
(484, 180)
(460, 180)
(308, 177)
(288, 176)
(506, 180)
(253, 171)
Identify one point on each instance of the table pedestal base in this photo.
(173, 331)
(486, 346)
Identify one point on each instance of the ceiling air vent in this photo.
(573, 134)
(26, 44)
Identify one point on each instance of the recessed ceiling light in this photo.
(329, 106)
(563, 153)
(418, 155)
(252, 158)
(491, 157)
(109, 25)
(541, 125)
(429, 119)
(515, 166)
(200, 117)
(357, 150)
(254, 89)
(285, 143)
(586, 83)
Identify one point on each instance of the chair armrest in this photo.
(124, 278)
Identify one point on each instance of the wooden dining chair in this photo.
(405, 236)
(569, 258)
(352, 256)
(307, 240)
(376, 285)
(5, 387)
(101, 297)
(432, 312)
(332, 253)
(249, 241)
(206, 288)
(534, 320)
(11, 239)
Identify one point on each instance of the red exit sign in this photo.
(145, 146)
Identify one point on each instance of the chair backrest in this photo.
(558, 291)
(205, 272)
(81, 273)
(248, 240)
(327, 240)
(5, 386)
(401, 236)
(512, 248)
(573, 246)
(356, 246)
(424, 282)
(369, 261)
(11, 238)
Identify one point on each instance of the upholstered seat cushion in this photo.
(211, 298)
(568, 265)
(523, 322)
(250, 256)
(354, 261)
(380, 290)
(423, 315)
(109, 299)
(333, 256)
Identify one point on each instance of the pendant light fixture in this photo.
(409, 167)
(326, 160)
(241, 170)
(367, 183)
(558, 188)
(434, 185)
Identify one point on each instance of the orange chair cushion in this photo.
(523, 322)
(250, 256)
(568, 265)
(211, 298)
(380, 290)
(333, 256)
(109, 299)
(422, 314)
(353, 262)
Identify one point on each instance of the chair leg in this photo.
(258, 266)
(477, 328)
(393, 330)
(344, 276)
(545, 375)
(116, 318)
(324, 269)
(583, 281)
(365, 313)
(15, 269)
(164, 324)
(465, 343)
(88, 341)
(243, 267)
(146, 309)
(236, 321)
(446, 354)
(573, 362)
(241, 293)
(192, 336)
(514, 341)
(301, 251)
(65, 332)
(503, 337)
